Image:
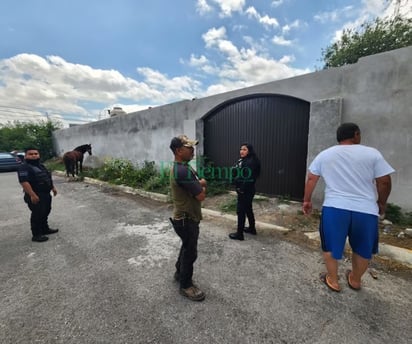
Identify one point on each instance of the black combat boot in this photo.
(236, 236)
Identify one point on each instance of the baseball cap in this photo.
(182, 140)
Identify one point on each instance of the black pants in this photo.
(188, 231)
(244, 208)
(39, 213)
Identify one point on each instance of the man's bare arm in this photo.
(309, 187)
(28, 190)
(384, 187)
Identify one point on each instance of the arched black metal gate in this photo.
(276, 125)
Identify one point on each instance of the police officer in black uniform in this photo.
(37, 183)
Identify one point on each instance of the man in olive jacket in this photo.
(188, 191)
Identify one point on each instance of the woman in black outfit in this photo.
(246, 172)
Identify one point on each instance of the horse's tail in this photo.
(67, 163)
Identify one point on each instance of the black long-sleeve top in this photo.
(245, 174)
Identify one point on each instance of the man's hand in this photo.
(54, 191)
(34, 198)
(307, 208)
(382, 209)
(203, 182)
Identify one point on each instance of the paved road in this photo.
(106, 277)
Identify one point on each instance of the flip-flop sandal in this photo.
(347, 274)
(324, 278)
(373, 273)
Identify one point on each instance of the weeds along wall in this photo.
(376, 93)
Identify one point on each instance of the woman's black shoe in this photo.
(50, 231)
(39, 238)
(250, 230)
(236, 236)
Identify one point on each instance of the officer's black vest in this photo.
(42, 179)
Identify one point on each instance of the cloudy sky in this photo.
(72, 59)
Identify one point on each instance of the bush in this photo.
(157, 184)
(145, 176)
(145, 173)
(121, 171)
(407, 219)
(395, 214)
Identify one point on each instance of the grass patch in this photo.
(55, 164)
(284, 199)
(229, 206)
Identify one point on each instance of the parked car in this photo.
(8, 162)
(18, 154)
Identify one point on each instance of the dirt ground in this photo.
(289, 214)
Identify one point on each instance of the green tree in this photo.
(372, 38)
(18, 136)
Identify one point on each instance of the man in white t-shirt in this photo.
(358, 184)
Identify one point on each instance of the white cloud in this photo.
(59, 87)
(287, 59)
(332, 16)
(202, 7)
(244, 66)
(257, 45)
(264, 20)
(198, 61)
(294, 25)
(213, 36)
(227, 7)
(280, 40)
(239, 27)
(374, 7)
(276, 3)
(168, 89)
(133, 107)
(249, 69)
(401, 7)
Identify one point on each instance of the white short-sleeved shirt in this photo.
(349, 172)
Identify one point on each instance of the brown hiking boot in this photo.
(193, 293)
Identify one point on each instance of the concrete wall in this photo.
(376, 93)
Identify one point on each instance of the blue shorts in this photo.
(361, 229)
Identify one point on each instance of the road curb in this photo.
(123, 188)
(259, 225)
(399, 254)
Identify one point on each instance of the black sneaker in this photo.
(39, 238)
(50, 231)
(236, 236)
(250, 230)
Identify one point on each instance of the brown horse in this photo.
(73, 158)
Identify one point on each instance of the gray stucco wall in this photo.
(376, 93)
